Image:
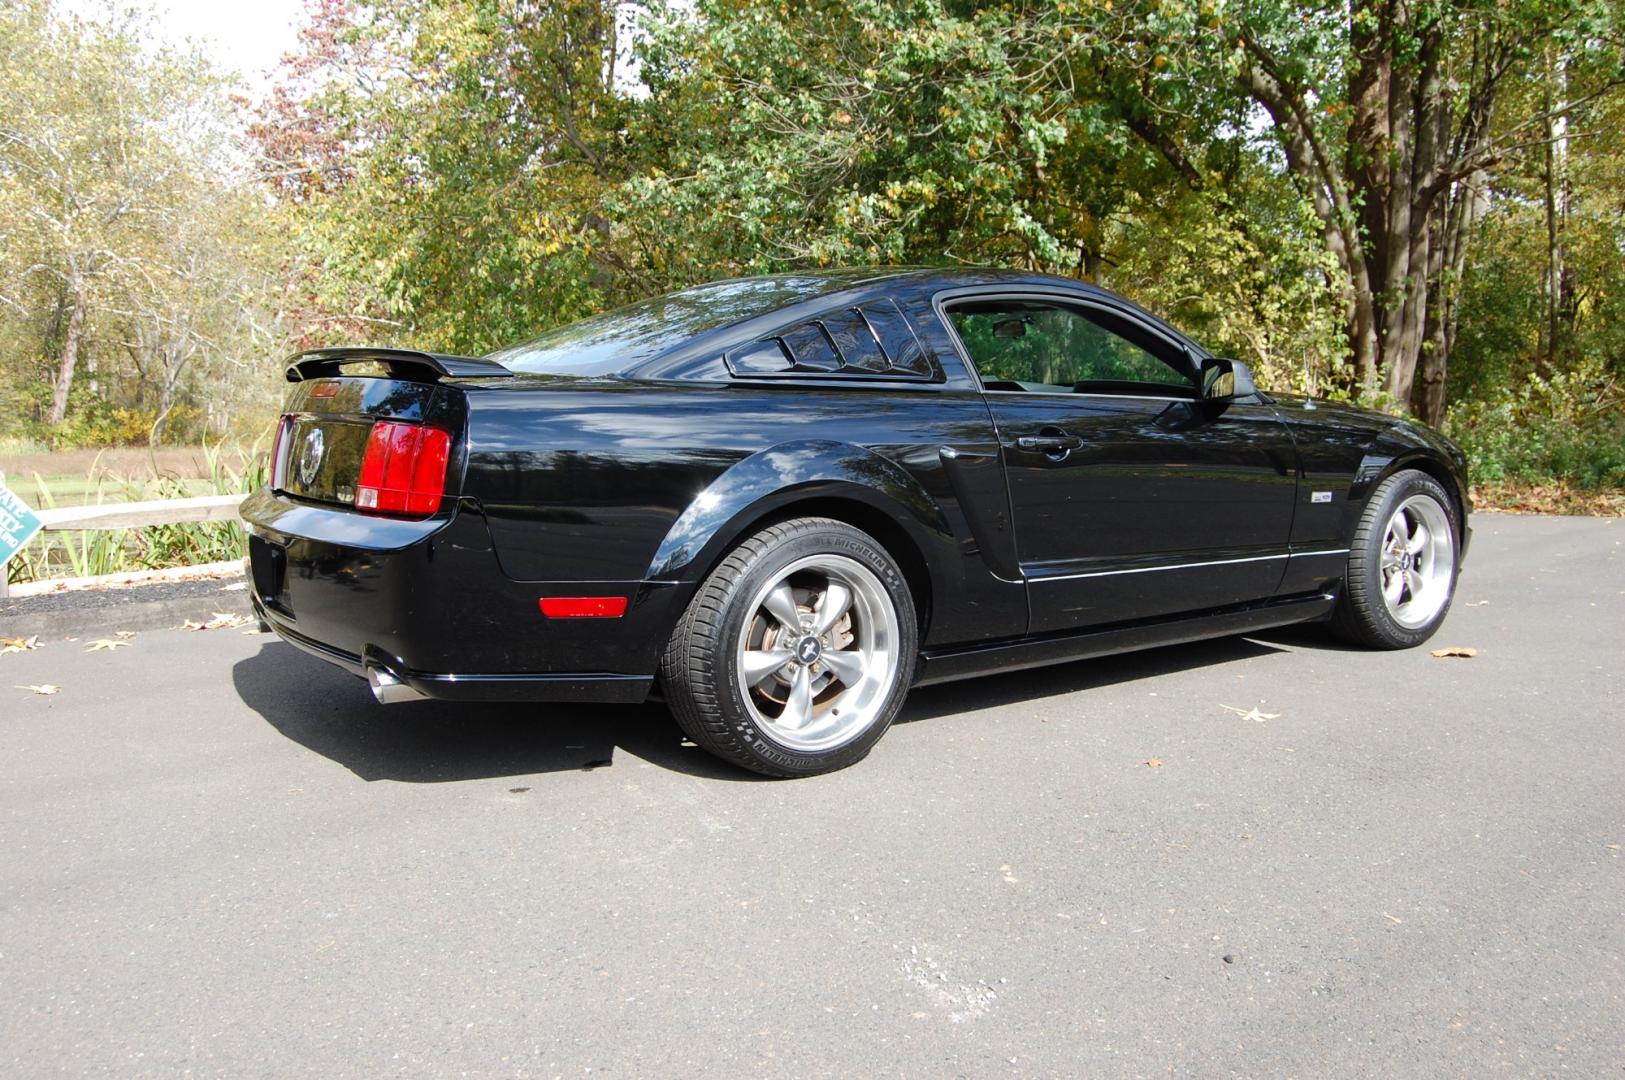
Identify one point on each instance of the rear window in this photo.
(617, 340)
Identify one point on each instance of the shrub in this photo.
(1567, 427)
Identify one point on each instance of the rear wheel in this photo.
(1402, 565)
(796, 653)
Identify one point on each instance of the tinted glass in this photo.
(1056, 348)
(896, 338)
(760, 358)
(811, 348)
(616, 340)
(856, 342)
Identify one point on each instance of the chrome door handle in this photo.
(1057, 445)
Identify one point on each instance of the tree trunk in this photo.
(70, 353)
(1559, 288)
(1467, 205)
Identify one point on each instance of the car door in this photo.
(1132, 498)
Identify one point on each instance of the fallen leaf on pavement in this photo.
(1154, 763)
(124, 634)
(221, 621)
(108, 644)
(17, 644)
(1456, 650)
(45, 689)
(1252, 713)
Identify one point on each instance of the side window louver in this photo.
(872, 339)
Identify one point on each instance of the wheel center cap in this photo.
(807, 649)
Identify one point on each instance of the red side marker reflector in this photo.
(583, 607)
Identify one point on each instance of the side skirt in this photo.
(945, 665)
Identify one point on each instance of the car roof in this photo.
(791, 296)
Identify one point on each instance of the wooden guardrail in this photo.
(135, 515)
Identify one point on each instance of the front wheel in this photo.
(796, 653)
(1402, 565)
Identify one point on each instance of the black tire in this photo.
(1362, 616)
(701, 678)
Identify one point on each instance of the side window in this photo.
(872, 339)
(1058, 348)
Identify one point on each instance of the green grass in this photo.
(17, 445)
(109, 551)
(77, 490)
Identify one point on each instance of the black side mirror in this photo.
(1224, 379)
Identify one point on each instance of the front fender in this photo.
(1407, 444)
(781, 476)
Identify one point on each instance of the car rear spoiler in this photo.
(401, 363)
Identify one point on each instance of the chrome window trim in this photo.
(1075, 394)
(940, 302)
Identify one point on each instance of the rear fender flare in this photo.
(781, 476)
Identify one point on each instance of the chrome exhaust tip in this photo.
(387, 687)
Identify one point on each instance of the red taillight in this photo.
(583, 607)
(403, 470)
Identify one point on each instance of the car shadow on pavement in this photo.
(332, 712)
(1308, 636)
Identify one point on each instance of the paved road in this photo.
(219, 857)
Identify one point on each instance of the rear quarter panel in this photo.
(635, 481)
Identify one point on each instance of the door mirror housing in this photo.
(1224, 379)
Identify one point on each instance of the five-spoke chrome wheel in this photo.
(817, 654)
(1418, 561)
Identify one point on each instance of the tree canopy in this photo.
(1411, 204)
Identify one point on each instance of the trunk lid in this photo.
(323, 436)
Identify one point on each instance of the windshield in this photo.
(616, 340)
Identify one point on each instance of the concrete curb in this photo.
(102, 611)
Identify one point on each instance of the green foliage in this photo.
(464, 174)
(1569, 426)
(938, 133)
(232, 469)
(474, 139)
(139, 262)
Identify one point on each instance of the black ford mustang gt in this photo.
(783, 501)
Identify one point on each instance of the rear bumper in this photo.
(446, 686)
(427, 605)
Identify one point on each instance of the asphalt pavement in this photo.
(220, 857)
